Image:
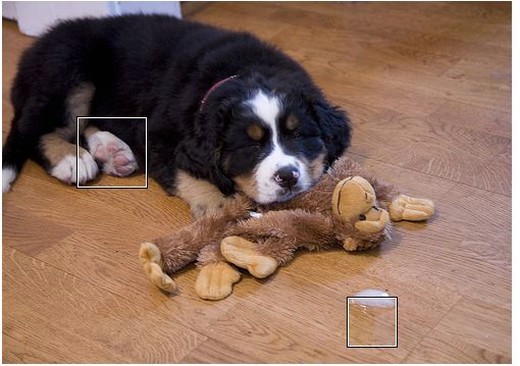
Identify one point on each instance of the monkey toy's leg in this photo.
(164, 256)
(261, 245)
(399, 206)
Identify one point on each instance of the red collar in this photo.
(213, 88)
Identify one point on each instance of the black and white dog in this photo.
(225, 110)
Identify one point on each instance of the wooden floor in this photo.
(428, 87)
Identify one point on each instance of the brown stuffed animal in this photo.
(343, 209)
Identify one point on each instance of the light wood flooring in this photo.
(428, 87)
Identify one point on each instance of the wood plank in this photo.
(480, 320)
(482, 93)
(479, 119)
(251, 327)
(23, 231)
(129, 334)
(477, 153)
(120, 273)
(473, 331)
(215, 351)
(105, 215)
(439, 347)
(31, 337)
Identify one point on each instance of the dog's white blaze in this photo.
(267, 108)
(8, 176)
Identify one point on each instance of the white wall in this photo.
(35, 17)
(9, 9)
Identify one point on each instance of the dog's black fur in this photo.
(162, 68)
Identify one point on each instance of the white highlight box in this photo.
(372, 322)
(145, 186)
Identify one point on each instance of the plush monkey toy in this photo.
(343, 209)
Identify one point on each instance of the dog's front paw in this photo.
(411, 209)
(65, 170)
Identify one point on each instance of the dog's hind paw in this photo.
(113, 153)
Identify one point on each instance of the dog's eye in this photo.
(292, 122)
(256, 132)
(362, 217)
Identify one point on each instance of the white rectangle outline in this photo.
(145, 154)
(374, 345)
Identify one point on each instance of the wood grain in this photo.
(104, 320)
(459, 337)
(428, 88)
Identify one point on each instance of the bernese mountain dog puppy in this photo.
(226, 112)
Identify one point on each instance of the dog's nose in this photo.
(287, 177)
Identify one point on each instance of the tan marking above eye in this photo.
(292, 122)
(256, 132)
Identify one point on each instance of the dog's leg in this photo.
(203, 197)
(111, 152)
(57, 150)
(114, 154)
(60, 156)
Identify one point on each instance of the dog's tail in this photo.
(15, 153)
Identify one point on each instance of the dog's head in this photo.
(273, 138)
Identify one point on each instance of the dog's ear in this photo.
(334, 124)
(200, 152)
